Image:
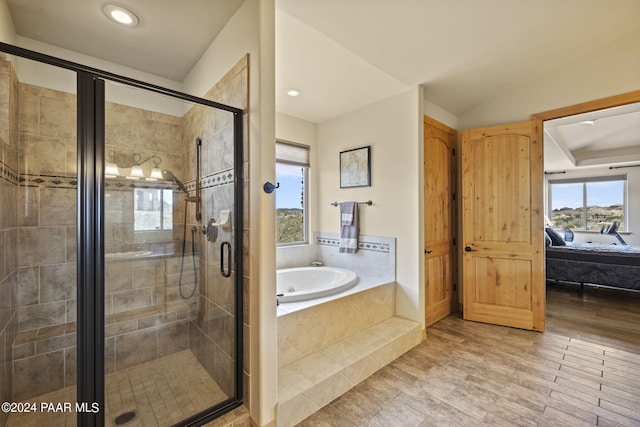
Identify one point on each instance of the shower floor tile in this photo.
(161, 392)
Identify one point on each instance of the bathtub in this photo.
(305, 283)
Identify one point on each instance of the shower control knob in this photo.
(211, 231)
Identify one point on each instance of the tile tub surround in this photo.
(376, 256)
(364, 283)
(310, 383)
(328, 345)
(374, 264)
(303, 332)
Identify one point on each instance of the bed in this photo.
(616, 265)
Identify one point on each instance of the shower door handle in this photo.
(225, 246)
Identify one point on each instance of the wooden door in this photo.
(439, 214)
(502, 240)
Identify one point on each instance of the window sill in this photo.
(289, 245)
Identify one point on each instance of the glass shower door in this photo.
(170, 280)
(38, 252)
(152, 178)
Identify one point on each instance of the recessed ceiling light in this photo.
(293, 92)
(120, 14)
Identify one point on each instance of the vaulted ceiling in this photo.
(344, 54)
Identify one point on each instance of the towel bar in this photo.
(368, 203)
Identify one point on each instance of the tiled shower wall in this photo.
(129, 131)
(8, 225)
(46, 293)
(211, 332)
(140, 325)
(46, 208)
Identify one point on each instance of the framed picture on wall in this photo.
(355, 168)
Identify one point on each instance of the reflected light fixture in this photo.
(133, 161)
(120, 14)
(588, 122)
(111, 170)
(293, 92)
(136, 173)
(156, 173)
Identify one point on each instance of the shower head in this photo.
(169, 176)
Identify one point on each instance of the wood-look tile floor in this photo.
(583, 370)
(161, 392)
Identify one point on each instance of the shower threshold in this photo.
(161, 393)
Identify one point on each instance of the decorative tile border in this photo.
(7, 174)
(125, 184)
(362, 245)
(216, 179)
(51, 181)
(59, 181)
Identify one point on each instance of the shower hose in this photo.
(194, 229)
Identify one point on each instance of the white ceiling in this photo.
(171, 37)
(608, 137)
(462, 51)
(344, 54)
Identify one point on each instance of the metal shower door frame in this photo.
(90, 233)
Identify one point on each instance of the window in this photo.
(586, 203)
(292, 164)
(153, 209)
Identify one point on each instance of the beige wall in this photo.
(443, 116)
(393, 129)
(7, 30)
(610, 70)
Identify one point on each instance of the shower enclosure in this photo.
(120, 285)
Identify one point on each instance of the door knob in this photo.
(468, 248)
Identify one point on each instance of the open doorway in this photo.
(592, 203)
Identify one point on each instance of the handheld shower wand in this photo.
(169, 176)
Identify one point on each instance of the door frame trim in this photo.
(586, 107)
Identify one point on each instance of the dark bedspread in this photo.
(610, 265)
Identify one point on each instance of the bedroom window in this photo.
(292, 164)
(587, 203)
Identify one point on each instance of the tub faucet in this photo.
(316, 264)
